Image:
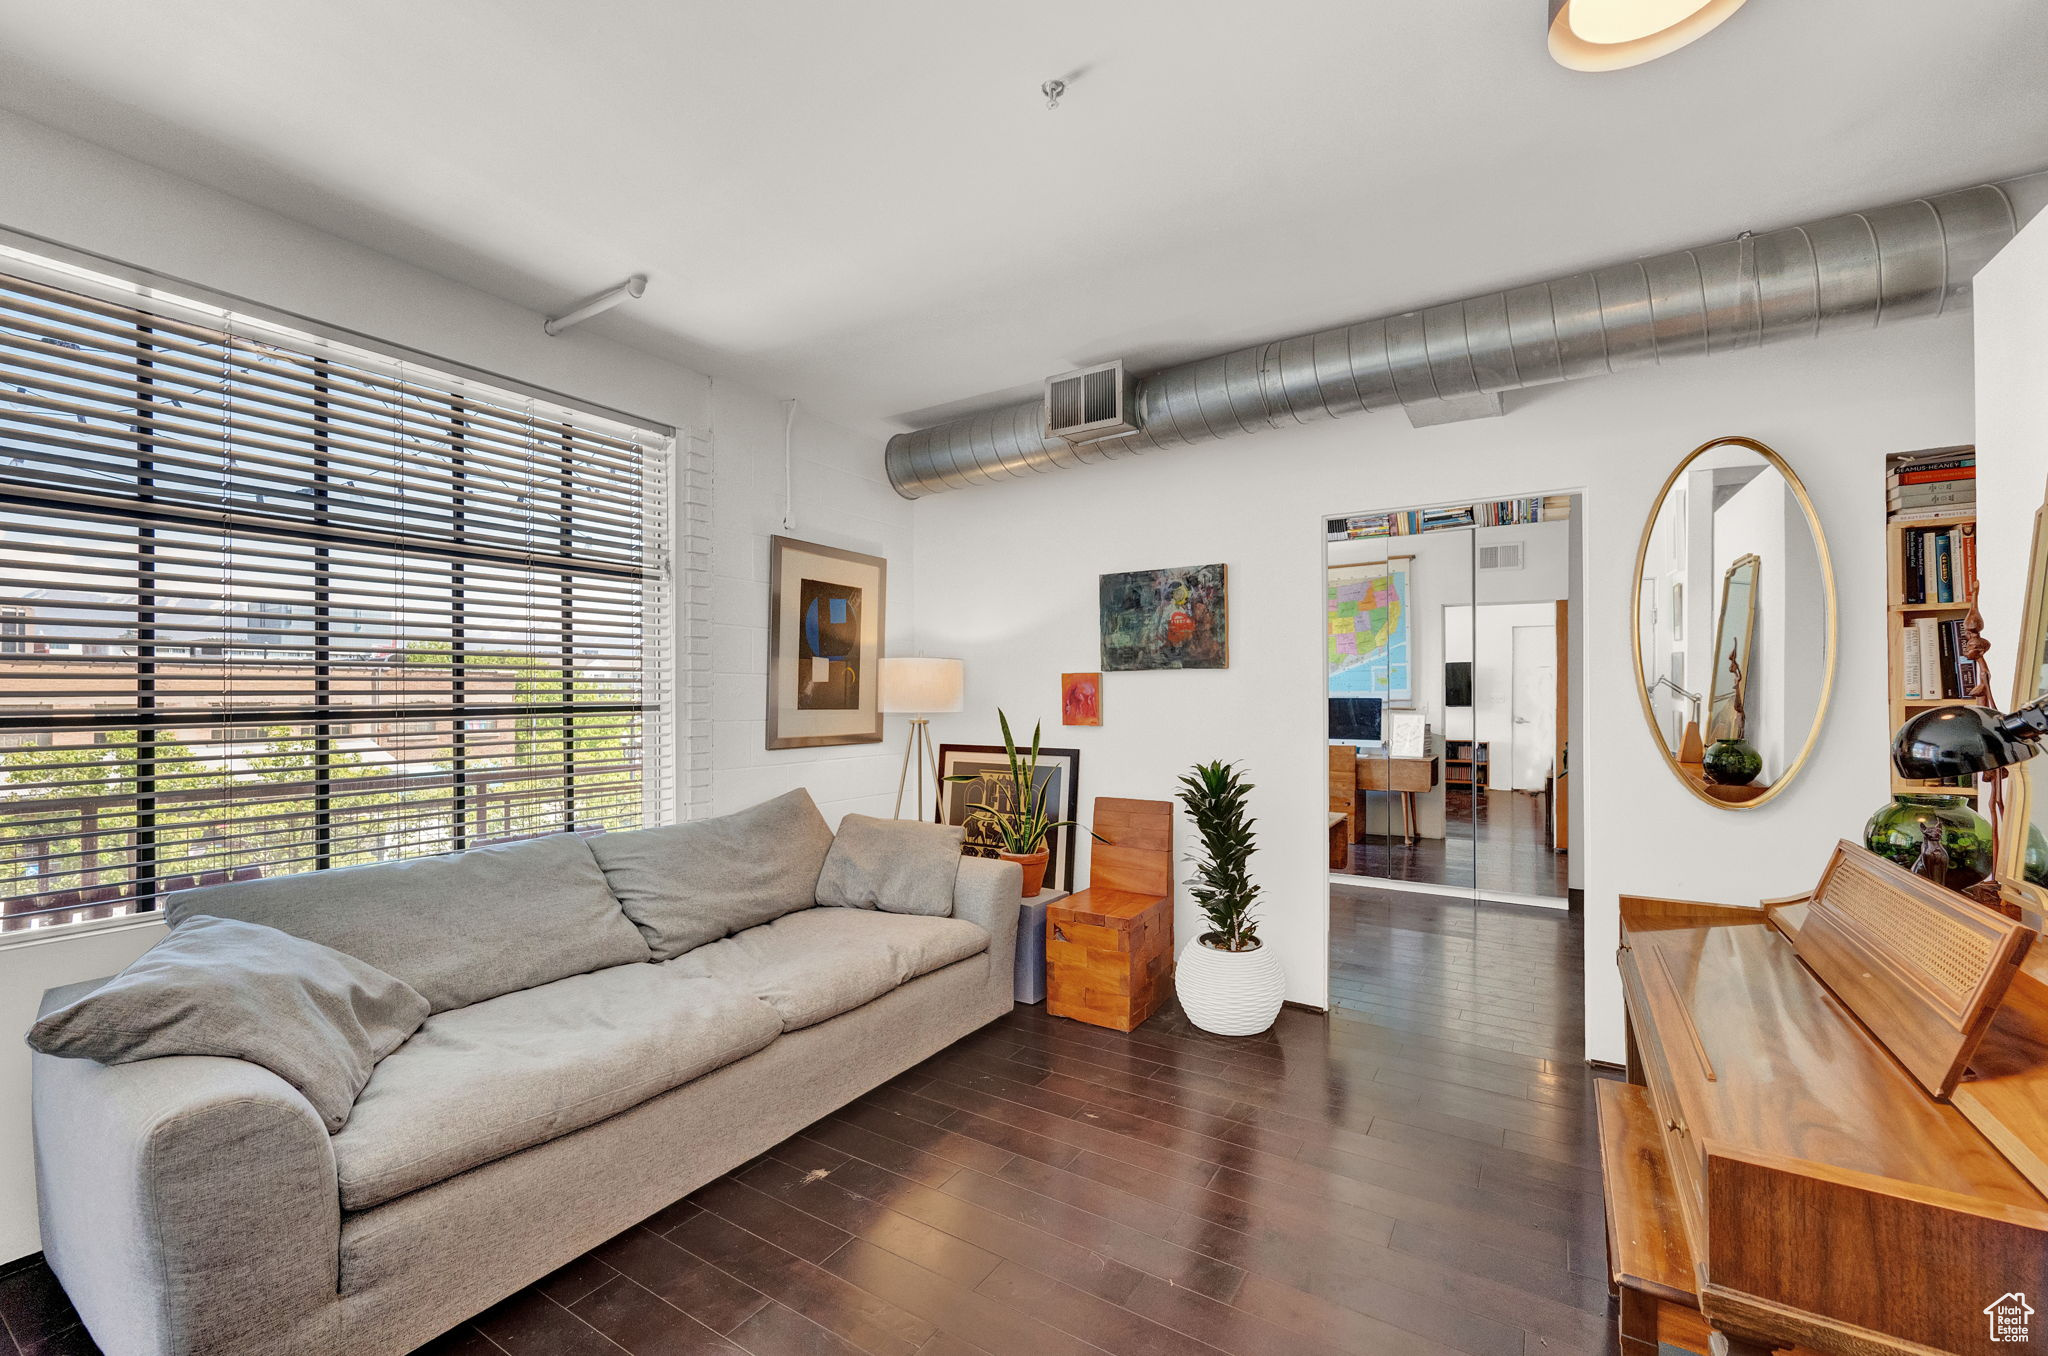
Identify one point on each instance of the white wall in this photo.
(1517, 759)
(1833, 409)
(2012, 437)
(80, 195)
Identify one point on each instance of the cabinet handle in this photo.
(1057, 935)
(1674, 1126)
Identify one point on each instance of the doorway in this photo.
(1448, 661)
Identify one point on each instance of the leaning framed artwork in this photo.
(1165, 619)
(824, 644)
(1059, 775)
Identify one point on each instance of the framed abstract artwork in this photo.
(1059, 773)
(1369, 651)
(1165, 619)
(1080, 699)
(824, 644)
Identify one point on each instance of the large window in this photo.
(271, 604)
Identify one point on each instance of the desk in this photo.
(1407, 777)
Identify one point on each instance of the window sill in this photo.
(98, 927)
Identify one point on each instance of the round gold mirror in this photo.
(1733, 623)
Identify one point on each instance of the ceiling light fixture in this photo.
(1609, 35)
(1052, 90)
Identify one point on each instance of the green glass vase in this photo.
(1898, 831)
(1731, 762)
(2034, 867)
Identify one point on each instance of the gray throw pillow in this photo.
(316, 1017)
(895, 865)
(688, 884)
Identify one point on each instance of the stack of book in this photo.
(1494, 513)
(1940, 564)
(1932, 485)
(1932, 662)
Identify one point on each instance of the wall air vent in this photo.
(1090, 405)
(1506, 555)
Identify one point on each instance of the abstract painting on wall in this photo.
(1369, 630)
(1080, 699)
(1165, 619)
(824, 645)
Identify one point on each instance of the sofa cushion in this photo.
(896, 865)
(459, 928)
(688, 884)
(316, 1018)
(819, 963)
(506, 1074)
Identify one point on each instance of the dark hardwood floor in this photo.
(1493, 841)
(1414, 1173)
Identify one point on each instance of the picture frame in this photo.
(826, 623)
(1176, 618)
(1080, 699)
(1058, 768)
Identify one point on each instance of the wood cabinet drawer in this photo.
(1648, 997)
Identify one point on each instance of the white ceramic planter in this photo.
(1230, 993)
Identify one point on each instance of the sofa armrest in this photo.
(989, 892)
(188, 1204)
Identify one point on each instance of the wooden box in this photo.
(1109, 948)
(1108, 957)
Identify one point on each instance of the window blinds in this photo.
(271, 604)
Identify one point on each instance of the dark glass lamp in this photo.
(1964, 741)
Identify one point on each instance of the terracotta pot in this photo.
(1034, 869)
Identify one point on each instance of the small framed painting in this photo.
(1059, 774)
(824, 644)
(1080, 699)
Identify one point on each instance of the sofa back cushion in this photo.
(460, 928)
(688, 884)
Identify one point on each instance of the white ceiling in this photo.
(865, 203)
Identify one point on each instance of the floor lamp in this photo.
(918, 688)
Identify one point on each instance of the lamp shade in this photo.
(1961, 741)
(923, 686)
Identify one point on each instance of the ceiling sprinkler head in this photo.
(1052, 90)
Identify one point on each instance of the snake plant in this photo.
(1024, 821)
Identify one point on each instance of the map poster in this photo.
(1369, 644)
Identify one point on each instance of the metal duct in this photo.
(1845, 273)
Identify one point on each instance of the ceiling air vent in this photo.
(1505, 556)
(1090, 405)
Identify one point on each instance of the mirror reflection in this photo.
(2023, 849)
(1735, 622)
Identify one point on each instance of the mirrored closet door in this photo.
(1447, 669)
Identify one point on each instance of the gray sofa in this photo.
(569, 1081)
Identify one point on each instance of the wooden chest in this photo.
(1109, 949)
(1108, 957)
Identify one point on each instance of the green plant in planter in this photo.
(1213, 794)
(1024, 822)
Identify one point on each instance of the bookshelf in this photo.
(1467, 762)
(1903, 613)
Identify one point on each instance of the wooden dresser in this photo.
(1834, 1137)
